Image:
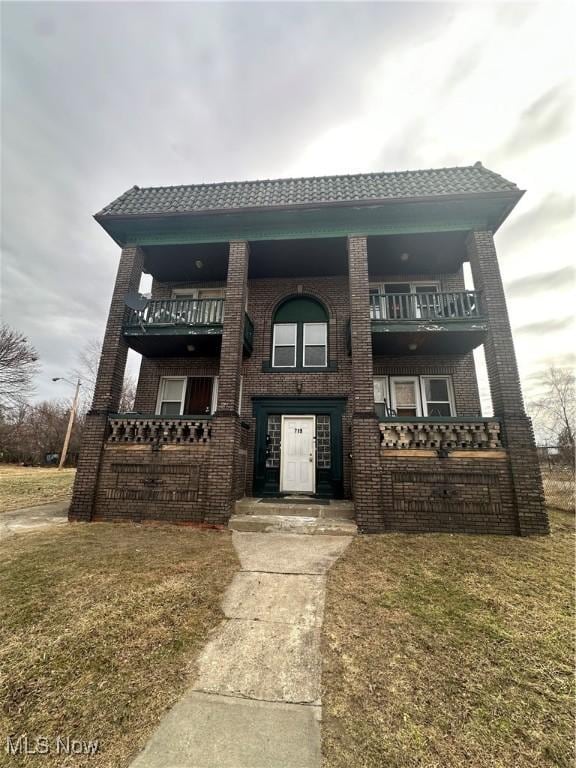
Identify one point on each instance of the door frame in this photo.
(329, 483)
(285, 417)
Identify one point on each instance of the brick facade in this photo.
(108, 388)
(505, 387)
(497, 492)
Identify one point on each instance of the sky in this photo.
(97, 97)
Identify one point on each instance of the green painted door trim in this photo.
(262, 407)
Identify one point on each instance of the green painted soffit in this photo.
(403, 218)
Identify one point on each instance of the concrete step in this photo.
(336, 508)
(292, 524)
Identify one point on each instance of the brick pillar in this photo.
(505, 387)
(108, 386)
(366, 472)
(226, 427)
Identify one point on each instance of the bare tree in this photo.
(18, 366)
(554, 412)
(87, 371)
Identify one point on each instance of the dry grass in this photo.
(31, 486)
(99, 627)
(451, 652)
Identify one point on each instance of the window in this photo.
(405, 395)
(381, 397)
(171, 396)
(300, 335)
(406, 301)
(195, 395)
(437, 396)
(315, 347)
(284, 348)
(208, 308)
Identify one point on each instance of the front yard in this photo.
(99, 628)
(31, 486)
(451, 652)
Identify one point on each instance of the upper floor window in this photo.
(402, 301)
(300, 335)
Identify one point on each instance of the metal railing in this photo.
(178, 312)
(448, 305)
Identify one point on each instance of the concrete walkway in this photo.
(33, 518)
(255, 702)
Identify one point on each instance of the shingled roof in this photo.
(288, 193)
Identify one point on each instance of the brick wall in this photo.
(264, 295)
(505, 386)
(139, 483)
(108, 386)
(469, 492)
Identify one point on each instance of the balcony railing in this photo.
(451, 305)
(174, 312)
(456, 433)
(125, 428)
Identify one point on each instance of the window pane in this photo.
(315, 356)
(380, 393)
(406, 412)
(285, 334)
(315, 333)
(172, 389)
(426, 288)
(405, 392)
(170, 409)
(284, 356)
(397, 288)
(439, 409)
(436, 389)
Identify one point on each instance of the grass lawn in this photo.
(30, 486)
(450, 651)
(99, 628)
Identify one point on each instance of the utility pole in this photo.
(70, 423)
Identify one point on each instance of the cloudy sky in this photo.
(97, 97)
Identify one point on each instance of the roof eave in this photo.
(513, 195)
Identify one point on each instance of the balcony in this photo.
(426, 323)
(456, 432)
(180, 327)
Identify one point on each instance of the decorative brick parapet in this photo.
(479, 434)
(157, 430)
(108, 389)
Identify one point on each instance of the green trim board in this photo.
(329, 482)
(421, 326)
(332, 221)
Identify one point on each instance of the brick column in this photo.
(366, 472)
(226, 428)
(108, 386)
(505, 387)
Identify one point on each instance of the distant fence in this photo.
(557, 467)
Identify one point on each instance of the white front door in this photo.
(297, 462)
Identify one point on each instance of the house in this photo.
(313, 336)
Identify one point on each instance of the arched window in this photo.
(300, 334)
